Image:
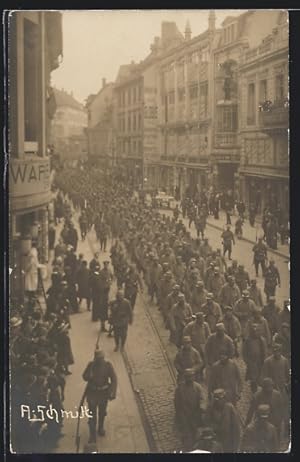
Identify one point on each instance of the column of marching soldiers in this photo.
(215, 314)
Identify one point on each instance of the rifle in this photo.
(78, 420)
(77, 438)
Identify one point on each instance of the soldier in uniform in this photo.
(255, 293)
(101, 387)
(226, 374)
(212, 312)
(230, 293)
(272, 279)
(120, 318)
(96, 292)
(271, 313)
(132, 284)
(190, 406)
(243, 309)
(259, 256)
(188, 358)
(106, 278)
(232, 327)
(223, 418)
(180, 315)
(228, 240)
(199, 332)
(260, 436)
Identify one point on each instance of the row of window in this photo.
(194, 92)
(263, 93)
(133, 119)
(130, 146)
(130, 96)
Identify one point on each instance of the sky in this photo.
(96, 43)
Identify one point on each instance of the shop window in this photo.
(227, 118)
(251, 104)
(31, 43)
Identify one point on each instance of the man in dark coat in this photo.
(223, 418)
(259, 256)
(268, 395)
(228, 240)
(121, 317)
(189, 407)
(260, 436)
(101, 387)
(83, 283)
(133, 283)
(254, 353)
(96, 292)
(226, 374)
(272, 279)
(106, 277)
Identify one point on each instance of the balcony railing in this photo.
(274, 115)
(225, 140)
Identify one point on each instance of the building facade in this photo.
(68, 128)
(101, 126)
(184, 94)
(264, 165)
(129, 91)
(35, 51)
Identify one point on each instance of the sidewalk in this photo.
(250, 234)
(124, 427)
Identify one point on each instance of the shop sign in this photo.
(29, 176)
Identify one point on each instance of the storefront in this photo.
(271, 192)
(29, 208)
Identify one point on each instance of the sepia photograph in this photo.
(149, 231)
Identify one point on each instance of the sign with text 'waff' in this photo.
(29, 176)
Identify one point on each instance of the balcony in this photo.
(276, 119)
(225, 140)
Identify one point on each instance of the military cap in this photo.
(263, 411)
(216, 269)
(276, 347)
(245, 293)
(99, 354)
(285, 324)
(176, 287)
(219, 393)
(209, 295)
(228, 308)
(272, 298)
(181, 296)
(220, 326)
(189, 372)
(253, 281)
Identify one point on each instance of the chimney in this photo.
(103, 82)
(212, 20)
(188, 31)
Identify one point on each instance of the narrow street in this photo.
(142, 416)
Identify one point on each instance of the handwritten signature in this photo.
(42, 413)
